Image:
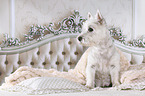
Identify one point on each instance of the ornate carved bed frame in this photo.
(46, 47)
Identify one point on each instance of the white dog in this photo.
(103, 65)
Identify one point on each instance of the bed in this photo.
(47, 47)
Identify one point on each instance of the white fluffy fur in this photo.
(103, 64)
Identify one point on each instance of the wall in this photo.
(4, 18)
(27, 12)
(139, 18)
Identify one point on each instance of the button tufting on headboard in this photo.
(19, 62)
(38, 53)
(6, 62)
(32, 63)
(69, 63)
(69, 42)
(131, 62)
(44, 63)
(76, 53)
(50, 52)
(63, 53)
(57, 63)
(60, 54)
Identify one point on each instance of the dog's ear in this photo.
(99, 17)
(89, 15)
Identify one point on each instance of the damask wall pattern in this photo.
(29, 12)
(4, 18)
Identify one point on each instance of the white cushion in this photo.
(47, 85)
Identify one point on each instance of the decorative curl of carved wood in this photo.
(70, 25)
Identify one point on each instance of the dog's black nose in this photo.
(80, 38)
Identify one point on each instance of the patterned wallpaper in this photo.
(4, 18)
(28, 12)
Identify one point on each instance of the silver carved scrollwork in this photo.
(116, 33)
(36, 32)
(10, 41)
(72, 24)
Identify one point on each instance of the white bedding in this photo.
(46, 85)
(54, 86)
(89, 93)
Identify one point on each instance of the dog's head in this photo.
(93, 30)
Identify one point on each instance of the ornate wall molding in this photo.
(116, 33)
(71, 25)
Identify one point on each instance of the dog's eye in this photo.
(90, 29)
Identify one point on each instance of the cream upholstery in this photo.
(60, 54)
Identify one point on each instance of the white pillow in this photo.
(47, 85)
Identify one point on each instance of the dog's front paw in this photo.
(90, 87)
(97, 89)
(116, 84)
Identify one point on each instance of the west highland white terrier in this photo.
(103, 65)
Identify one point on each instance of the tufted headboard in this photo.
(47, 47)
